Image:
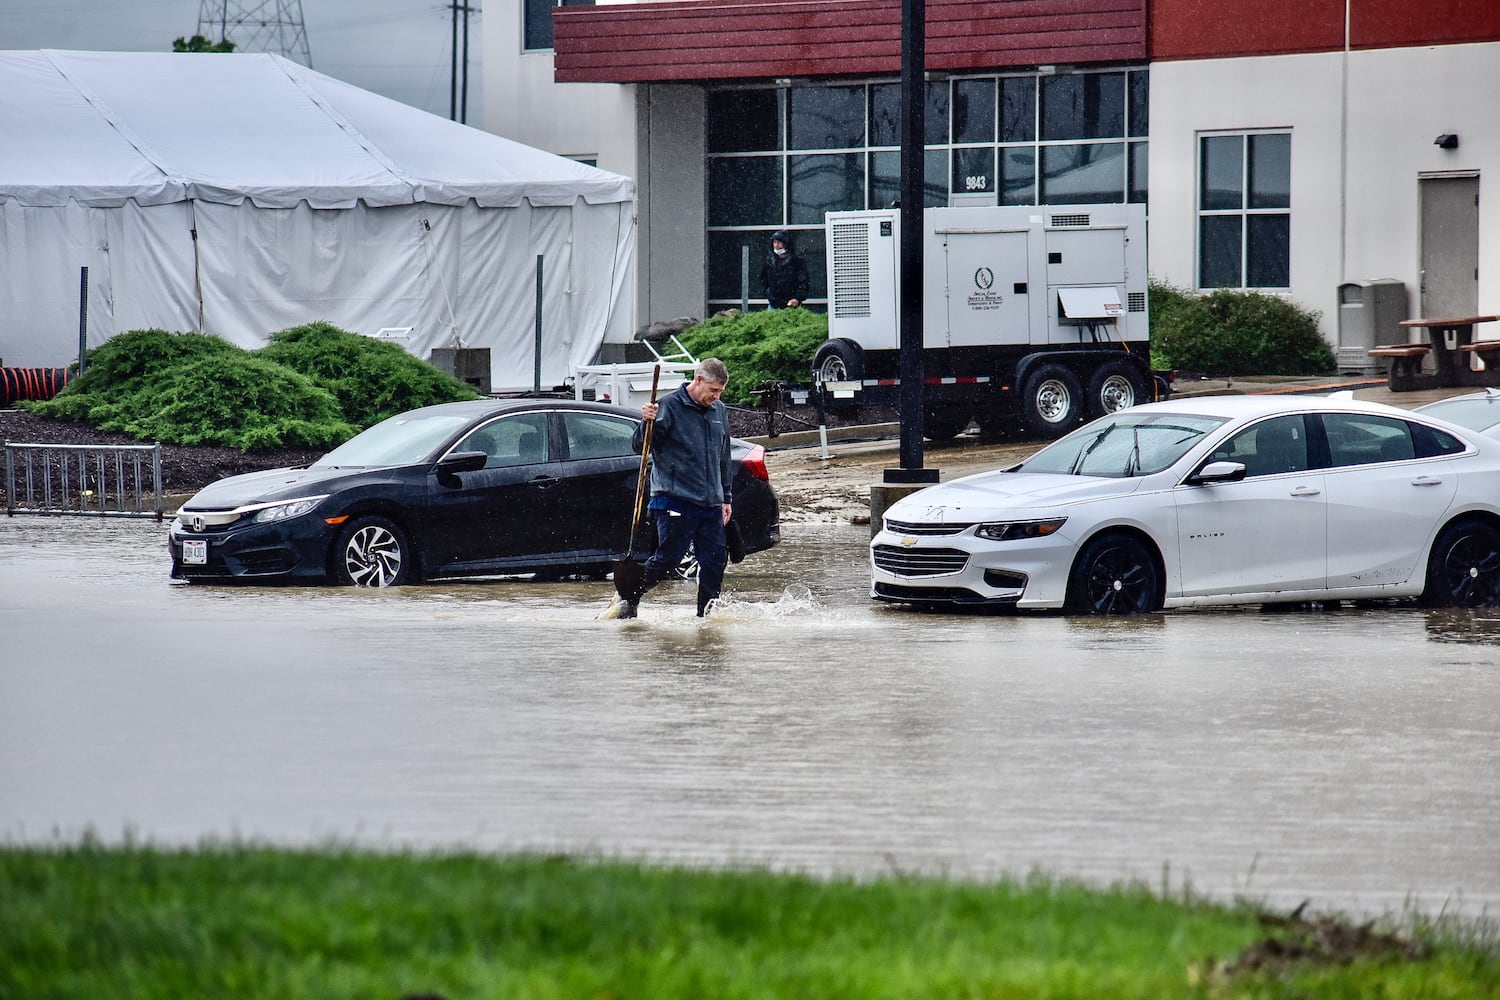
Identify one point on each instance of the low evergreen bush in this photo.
(768, 345)
(1235, 333)
(371, 379)
(313, 386)
(231, 399)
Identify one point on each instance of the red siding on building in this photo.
(759, 39)
(1216, 29)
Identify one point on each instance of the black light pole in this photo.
(913, 150)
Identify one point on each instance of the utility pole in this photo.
(257, 26)
(458, 91)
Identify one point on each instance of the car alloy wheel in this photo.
(371, 552)
(1114, 575)
(1464, 569)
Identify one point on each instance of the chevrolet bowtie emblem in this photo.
(908, 541)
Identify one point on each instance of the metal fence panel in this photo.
(109, 480)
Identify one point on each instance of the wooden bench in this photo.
(1481, 346)
(1406, 363)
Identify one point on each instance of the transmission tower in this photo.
(257, 26)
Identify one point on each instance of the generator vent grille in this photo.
(1081, 219)
(851, 270)
(1136, 302)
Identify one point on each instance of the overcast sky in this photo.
(399, 48)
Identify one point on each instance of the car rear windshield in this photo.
(404, 439)
(1126, 444)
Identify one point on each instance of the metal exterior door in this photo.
(1450, 246)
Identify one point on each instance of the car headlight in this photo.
(1009, 531)
(282, 511)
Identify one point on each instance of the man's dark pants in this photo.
(704, 530)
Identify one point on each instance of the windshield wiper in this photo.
(1083, 455)
(1133, 460)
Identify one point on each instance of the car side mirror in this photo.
(1217, 472)
(460, 461)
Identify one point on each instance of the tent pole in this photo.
(83, 317)
(536, 378)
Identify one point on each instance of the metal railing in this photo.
(109, 480)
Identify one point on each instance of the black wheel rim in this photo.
(1470, 571)
(1120, 581)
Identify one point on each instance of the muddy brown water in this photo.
(1349, 757)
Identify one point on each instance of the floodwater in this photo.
(1350, 757)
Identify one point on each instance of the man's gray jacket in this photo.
(690, 453)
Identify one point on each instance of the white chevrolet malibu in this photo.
(1210, 501)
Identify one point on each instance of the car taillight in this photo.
(755, 463)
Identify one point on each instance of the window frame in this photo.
(1249, 263)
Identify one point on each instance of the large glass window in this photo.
(974, 110)
(1244, 216)
(1083, 106)
(1073, 174)
(536, 30)
(780, 157)
(744, 121)
(827, 117)
(744, 191)
(830, 182)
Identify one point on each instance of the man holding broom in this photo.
(692, 473)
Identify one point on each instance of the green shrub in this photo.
(760, 346)
(236, 400)
(1235, 333)
(313, 386)
(371, 379)
(122, 360)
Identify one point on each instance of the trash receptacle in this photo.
(1370, 313)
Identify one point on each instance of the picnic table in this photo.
(1452, 345)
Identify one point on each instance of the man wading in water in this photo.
(692, 473)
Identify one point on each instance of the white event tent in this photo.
(243, 194)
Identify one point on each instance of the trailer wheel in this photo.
(1053, 403)
(942, 422)
(1115, 386)
(839, 361)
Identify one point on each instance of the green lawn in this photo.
(234, 921)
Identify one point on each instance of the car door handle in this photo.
(1306, 491)
(543, 481)
(1426, 481)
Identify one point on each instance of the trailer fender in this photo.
(1083, 363)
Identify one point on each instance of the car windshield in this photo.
(1124, 444)
(1477, 413)
(405, 439)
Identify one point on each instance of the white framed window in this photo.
(1244, 209)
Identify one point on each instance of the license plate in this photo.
(195, 551)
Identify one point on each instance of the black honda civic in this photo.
(484, 487)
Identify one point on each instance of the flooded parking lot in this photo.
(1348, 756)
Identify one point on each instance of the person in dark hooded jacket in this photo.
(783, 276)
(692, 483)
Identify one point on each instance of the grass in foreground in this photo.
(243, 921)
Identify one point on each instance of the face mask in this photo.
(780, 251)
